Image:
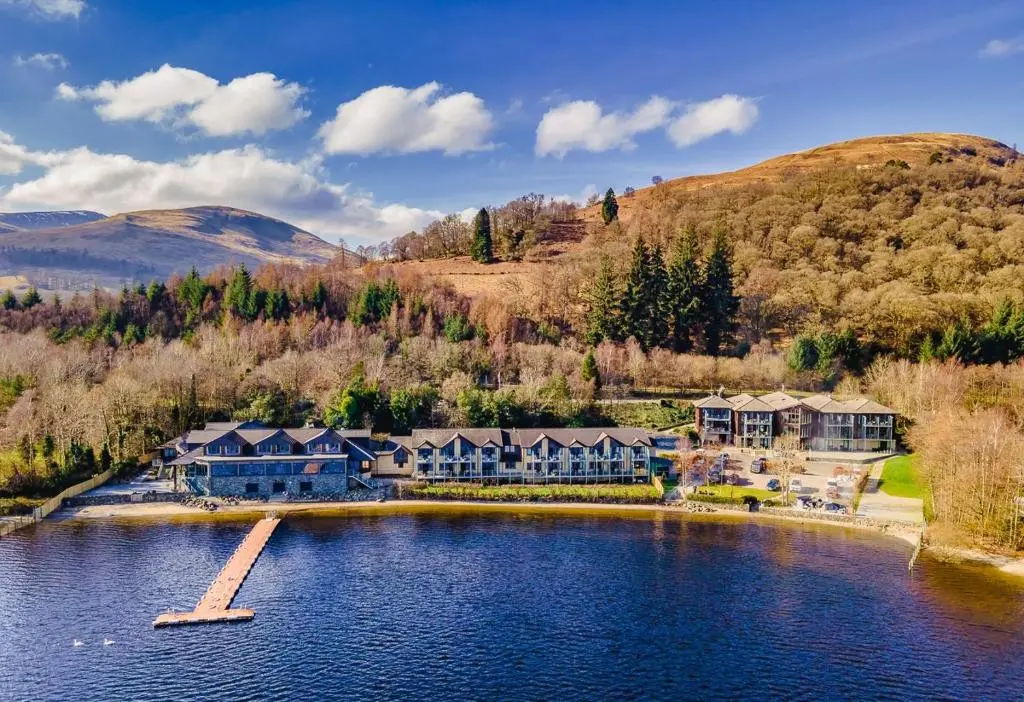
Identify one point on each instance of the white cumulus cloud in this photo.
(248, 178)
(50, 61)
(728, 113)
(182, 97)
(50, 9)
(998, 48)
(392, 119)
(582, 124)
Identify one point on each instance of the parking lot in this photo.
(813, 476)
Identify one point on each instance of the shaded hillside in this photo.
(155, 244)
(915, 150)
(13, 221)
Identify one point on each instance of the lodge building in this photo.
(252, 460)
(819, 422)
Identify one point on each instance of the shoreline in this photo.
(177, 512)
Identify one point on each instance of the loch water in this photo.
(517, 606)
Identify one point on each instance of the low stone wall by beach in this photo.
(710, 508)
(122, 499)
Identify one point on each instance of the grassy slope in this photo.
(901, 477)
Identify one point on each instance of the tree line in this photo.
(682, 304)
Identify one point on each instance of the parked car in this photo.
(836, 508)
(757, 466)
(732, 479)
(774, 485)
(795, 485)
(804, 502)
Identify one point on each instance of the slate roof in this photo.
(780, 400)
(749, 403)
(587, 436)
(713, 402)
(861, 405)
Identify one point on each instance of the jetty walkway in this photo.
(215, 605)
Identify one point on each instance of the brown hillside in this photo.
(568, 247)
(868, 152)
(155, 244)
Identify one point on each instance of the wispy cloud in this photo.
(1000, 48)
(50, 62)
(50, 9)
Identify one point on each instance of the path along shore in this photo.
(170, 511)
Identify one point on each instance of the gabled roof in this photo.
(749, 403)
(442, 437)
(587, 436)
(307, 434)
(780, 400)
(204, 436)
(188, 458)
(713, 402)
(255, 436)
(860, 405)
(230, 426)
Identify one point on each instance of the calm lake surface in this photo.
(503, 607)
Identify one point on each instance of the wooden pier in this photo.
(215, 605)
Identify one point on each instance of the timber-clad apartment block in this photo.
(820, 422)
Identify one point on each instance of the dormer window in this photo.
(232, 450)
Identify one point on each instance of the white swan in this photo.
(108, 642)
(76, 643)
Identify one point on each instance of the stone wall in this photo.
(329, 484)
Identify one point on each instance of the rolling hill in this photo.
(576, 244)
(868, 152)
(138, 246)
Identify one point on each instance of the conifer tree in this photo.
(656, 331)
(684, 293)
(603, 316)
(31, 298)
(720, 304)
(9, 301)
(635, 307)
(482, 249)
(240, 298)
(610, 207)
(590, 372)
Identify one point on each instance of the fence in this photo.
(54, 503)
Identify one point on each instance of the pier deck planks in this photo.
(215, 605)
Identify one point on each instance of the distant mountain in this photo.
(13, 221)
(138, 246)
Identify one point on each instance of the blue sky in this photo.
(361, 120)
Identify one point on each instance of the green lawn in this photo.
(901, 477)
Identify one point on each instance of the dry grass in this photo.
(868, 152)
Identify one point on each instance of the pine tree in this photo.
(590, 372)
(9, 301)
(635, 308)
(656, 332)
(240, 298)
(610, 207)
(482, 249)
(191, 294)
(684, 293)
(720, 304)
(603, 316)
(31, 298)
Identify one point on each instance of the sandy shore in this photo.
(1012, 565)
(177, 512)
